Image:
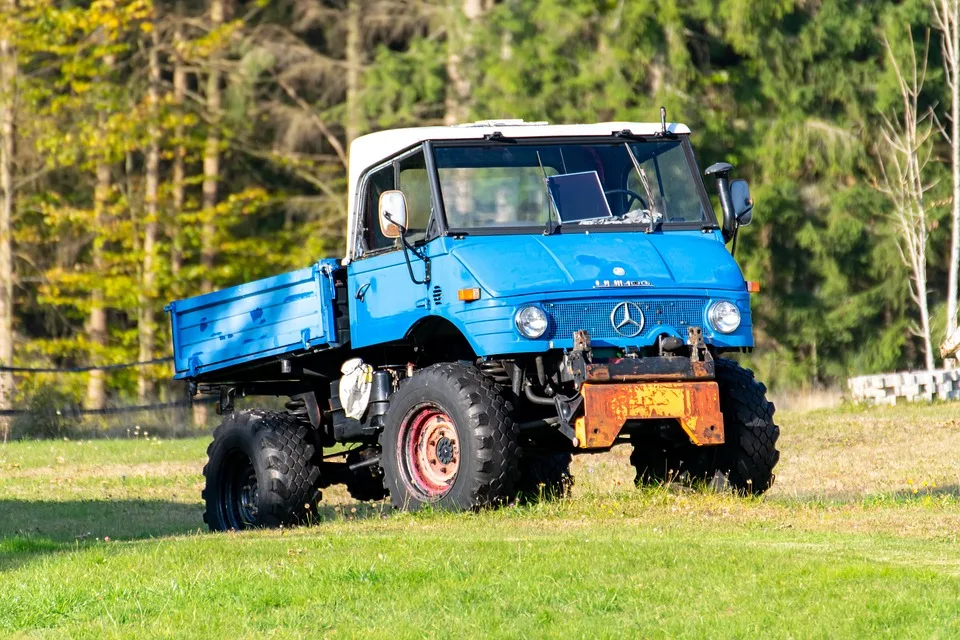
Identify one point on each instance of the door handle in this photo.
(362, 291)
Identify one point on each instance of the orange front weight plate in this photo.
(607, 407)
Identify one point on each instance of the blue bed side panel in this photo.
(270, 317)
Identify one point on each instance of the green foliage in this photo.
(790, 92)
(47, 414)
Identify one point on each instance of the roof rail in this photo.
(506, 122)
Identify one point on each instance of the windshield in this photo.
(590, 183)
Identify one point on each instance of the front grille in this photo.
(594, 316)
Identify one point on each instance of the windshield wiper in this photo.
(551, 229)
(646, 187)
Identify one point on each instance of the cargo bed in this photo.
(284, 314)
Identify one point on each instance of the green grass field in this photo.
(858, 538)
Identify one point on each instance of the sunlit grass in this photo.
(857, 538)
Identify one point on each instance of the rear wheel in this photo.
(449, 441)
(658, 461)
(262, 471)
(545, 475)
(366, 483)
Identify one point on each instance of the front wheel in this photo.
(749, 453)
(449, 441)
(262, 471)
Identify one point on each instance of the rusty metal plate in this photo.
(644, 369)
(607, 407)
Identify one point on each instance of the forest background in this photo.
(156, 150)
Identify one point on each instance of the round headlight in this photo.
(531, 322)
(725, 317)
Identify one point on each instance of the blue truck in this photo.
(511, 294)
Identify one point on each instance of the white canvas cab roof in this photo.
(372, 149)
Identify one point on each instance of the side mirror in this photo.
(742, 202)
(393, 213)
(721, 172)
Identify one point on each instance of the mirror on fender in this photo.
(393, 213)
(721, 173)
(742, 202)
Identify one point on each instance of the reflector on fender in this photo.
(469, 295)
(753, 287)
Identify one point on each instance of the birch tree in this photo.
(147, 295)
(97, 317)
(459, 36)
(353, 121)
(8, 75)
(903, 153)
(946, 19)
(178, 177)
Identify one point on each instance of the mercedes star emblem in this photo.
(627, 319)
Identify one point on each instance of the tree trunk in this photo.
(353, 122)
(211, 176)
(457, 100)
(952, 65)
(925, 328)
(147, 296)
(97, 320)
(179, 158)
(8, 74)
(211, 161)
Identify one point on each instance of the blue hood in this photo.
(528, 264)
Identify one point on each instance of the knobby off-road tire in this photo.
(449, 441)
(749, 452)
(366, 484)
(658, 461)
(544, 475)
(262, 470)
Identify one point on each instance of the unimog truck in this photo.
(512, 294)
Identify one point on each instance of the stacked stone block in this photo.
(910, 386)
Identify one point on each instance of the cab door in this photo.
(384, 300)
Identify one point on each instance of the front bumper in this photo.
(617, 391)
(608, 407)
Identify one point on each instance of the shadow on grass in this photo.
(31, 528)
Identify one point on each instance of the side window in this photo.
(378, 182)
(415, 184)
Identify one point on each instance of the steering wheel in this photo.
(633, 195)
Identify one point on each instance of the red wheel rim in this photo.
(429, 451)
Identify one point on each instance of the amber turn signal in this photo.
(469, 295)
(753, 287)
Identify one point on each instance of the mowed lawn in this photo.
(859, 538)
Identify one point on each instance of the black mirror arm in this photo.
(721, 171)
(407, 249)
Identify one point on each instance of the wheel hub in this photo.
(242, 496)
(445, 450)
(249, 499)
